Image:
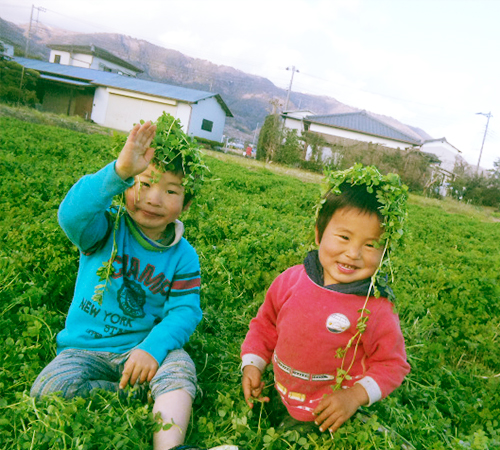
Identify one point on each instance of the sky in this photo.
(432, 64)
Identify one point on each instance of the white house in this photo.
(447, 153)
(91, 57)
(353, 127)
(294, 119)
(119, 101)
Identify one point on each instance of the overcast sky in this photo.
(432, 64)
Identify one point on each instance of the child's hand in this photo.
(140, 366)
(252, 385)
(339, 406)
(136, 154)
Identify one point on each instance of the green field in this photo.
(250, 224)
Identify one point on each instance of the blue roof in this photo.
(109, 79)
(362, 122)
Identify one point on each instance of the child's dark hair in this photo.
(351, 196)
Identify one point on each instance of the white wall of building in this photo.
(87, 62)
(294, 124)
(65, 57)
(100, 106)
(324, 129)
(124, 109)
(211, 111)
(448, 154)
(99, 64)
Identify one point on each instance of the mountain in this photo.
(247, 96)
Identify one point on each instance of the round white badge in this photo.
(337, 323)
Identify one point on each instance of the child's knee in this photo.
(177, 372)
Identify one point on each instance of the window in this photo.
(57, 59)
(207, 125)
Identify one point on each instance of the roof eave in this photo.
(363, 132)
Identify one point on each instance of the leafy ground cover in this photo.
(249, 225)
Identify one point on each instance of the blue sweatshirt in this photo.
(151, 302)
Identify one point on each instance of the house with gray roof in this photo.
(350, 128)
(119, 101)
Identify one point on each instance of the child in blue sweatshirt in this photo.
(134, 329)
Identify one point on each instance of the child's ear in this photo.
(316, 235)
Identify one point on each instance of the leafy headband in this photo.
(170, 143)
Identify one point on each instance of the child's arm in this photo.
(136, 154)
(82, 213)
(252, 385)
(339, 406)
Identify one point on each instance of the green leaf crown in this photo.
(171, 143)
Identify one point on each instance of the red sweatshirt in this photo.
(299, 328)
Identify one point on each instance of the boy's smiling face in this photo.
(153, 205)
(346, 251)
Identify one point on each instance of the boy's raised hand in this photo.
(334, 409)
(140, 366)
(252, 385)
(136, 153)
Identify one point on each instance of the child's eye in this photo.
(144, 184)
(370, 245)
(345, 238)
(170, 191)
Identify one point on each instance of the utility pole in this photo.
(29, 34)
(293, 69)
(484, 138)
(27, 48)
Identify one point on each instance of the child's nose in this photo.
(153, 196)
(354, 251)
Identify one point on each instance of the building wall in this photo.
(65, 57)
(100, 106)
(87, 62)
(294, 124)
(99, 64)
(120, 110)
(67, 99)
(210, 111)
(323, 129)
(126, 109)
(448, 154)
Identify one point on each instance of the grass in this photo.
(447, 205)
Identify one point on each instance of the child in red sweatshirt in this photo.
(311, 312)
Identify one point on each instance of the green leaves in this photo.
(174, 148)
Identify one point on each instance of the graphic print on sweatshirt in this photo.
(133, 288)
(131, 299)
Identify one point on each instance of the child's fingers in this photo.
(124, 380)
(136, 375)
(247, 390)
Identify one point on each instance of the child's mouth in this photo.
(345, 268)
(149, 214)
